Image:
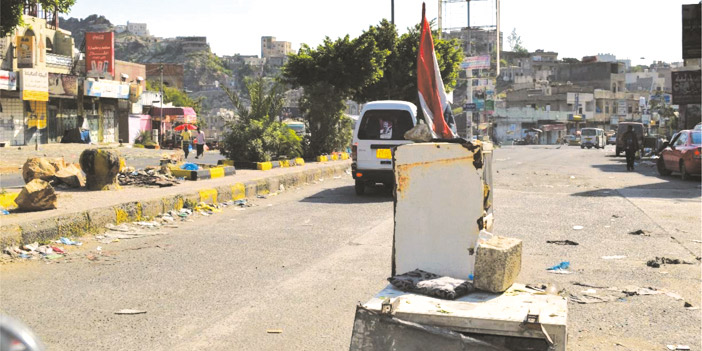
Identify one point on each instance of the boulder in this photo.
(37, 195)
(38, 168)
(497, 264)
(420, 133)
(101, 167)
(71, 176)
(59, 163)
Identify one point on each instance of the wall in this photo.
(173, 74)
(133, 70)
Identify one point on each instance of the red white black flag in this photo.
(432, 96)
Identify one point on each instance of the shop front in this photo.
(172, 117)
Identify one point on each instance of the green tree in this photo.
(11, 11)
(329, 75)
(256, 136)
(178, 97)
(399, 81)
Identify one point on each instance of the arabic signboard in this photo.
(8, 80)
(469, 106)
(25, 51)
(63, 84)
(59, 60)
(686, 87)
(34, 85)
(107, 89)
(476, 62)
(100, 54)
(691, 46)
(36, 114)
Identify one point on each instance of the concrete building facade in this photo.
(274, 48)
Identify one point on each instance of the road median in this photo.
(86, 212)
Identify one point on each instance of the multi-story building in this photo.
(273, 48)
(173, 74)
(139, 29)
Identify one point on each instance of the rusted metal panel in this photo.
(438, 208)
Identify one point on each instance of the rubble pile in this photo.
(147, 177)
(35, 251)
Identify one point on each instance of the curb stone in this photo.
(94, 220)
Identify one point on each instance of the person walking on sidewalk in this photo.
(200, 140)
(185, 136)
(631, 144)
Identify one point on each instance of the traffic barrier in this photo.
(203, 173)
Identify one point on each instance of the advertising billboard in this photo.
(25, 51)
(8, 80)
(476, 62)
(100, 54)
(107, 89)
(691, 46)
(686, 87)
(63, 84)
(34, 85)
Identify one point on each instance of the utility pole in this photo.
(440, 19)
(392, 12)
(161, 109)
(497, 2)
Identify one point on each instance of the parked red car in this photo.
(682, 154)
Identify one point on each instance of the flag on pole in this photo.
(430, 86)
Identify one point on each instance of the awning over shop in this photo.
(175, 114)
(553, 127)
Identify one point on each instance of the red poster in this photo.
(100, 54)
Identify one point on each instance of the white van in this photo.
(590, 137)
(380, 128)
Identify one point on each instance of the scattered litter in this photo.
(688, 306)
(58, 250)
(274, 331)
(67, 241)
(189, 166)
(615, 216)
(31, 247)
(589, 291)
(207, 209)
(562, 242)
(260, 196)
(572, 177)
(639, 232)
(99, 248)
(615, 257)
(240, 203)
(561, 268)
(53, 256)
(4, 211)
(578, 227)
(589, 299)
(45, 250)
(148, 224)
(678, 347)
(118, 228)
(697, 241)
(128, 311)
(664, 260)
(149, 177)
(337, 177)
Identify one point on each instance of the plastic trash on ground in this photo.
(67, 241)
(189, 166)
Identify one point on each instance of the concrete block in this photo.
(10, 235)
(128, 212)
(251, 189)
(497, 264)
(273, 184)
(191, 199)
(98, 217)
(238, 191)
(75, 224)
(39, 230)
(224, 193)
(151, 208)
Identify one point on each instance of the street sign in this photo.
(469, 106)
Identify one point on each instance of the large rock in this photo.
(497, 264)
(59, 163)
(37, 195)
(71, 176)
(101, 167)
(38, 168)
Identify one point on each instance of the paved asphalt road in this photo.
(302, 260)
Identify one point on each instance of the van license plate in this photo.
(383, 153)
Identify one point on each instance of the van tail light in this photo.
(698, 152)
(354, 151)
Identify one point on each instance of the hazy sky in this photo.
(627, 28)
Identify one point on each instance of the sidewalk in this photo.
(82, 211)
(13, 157)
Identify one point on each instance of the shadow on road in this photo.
(673, 189)
(347, 195)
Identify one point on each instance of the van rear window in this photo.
(588, 132)
(384, 125)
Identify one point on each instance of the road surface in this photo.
(299, 262)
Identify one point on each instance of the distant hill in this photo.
(201, 67)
